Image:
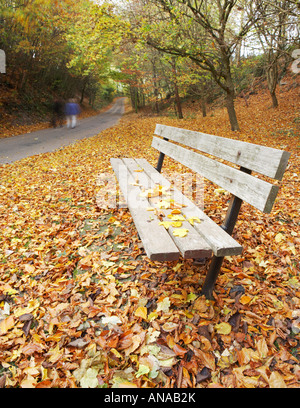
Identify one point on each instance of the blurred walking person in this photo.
(58, 113)
(72, 110)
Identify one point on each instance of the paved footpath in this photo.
(47, 140)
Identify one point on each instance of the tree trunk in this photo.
(136, 100)
(272, 75)
(155, 84)
(203, 106)
(239, 42)
(178, 103)
(156, 106)
(231, 111)
(272, 79)
(274, 100)
(83, 90)
(230, 93)
(23, 80)
(176, 91)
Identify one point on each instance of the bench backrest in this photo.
(238, 181)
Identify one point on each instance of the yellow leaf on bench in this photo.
(165, 224)
(194, 219)
(154, 193)
(150, 193)
(176, 224)
(163, 204)
(180, 232)
(144, 193)
(176, 217)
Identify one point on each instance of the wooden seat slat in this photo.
(192, 245)
(221, 243)
(157, 242)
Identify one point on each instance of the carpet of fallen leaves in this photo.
(82, 306)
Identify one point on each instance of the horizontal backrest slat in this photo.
(254, 191)
(264, 160)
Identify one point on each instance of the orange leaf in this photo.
(245, 299)
(180, 351)
(170, 341)
(6, 324)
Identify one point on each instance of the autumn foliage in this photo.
(82, 306)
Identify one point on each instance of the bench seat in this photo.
(203, 238)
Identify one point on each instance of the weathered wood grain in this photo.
(253, 190)
(157, 242)
(221, 243)
(190, 246)
(265, 160)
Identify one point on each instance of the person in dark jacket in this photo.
(72, 110)
(58, 113)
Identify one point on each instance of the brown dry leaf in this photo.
(262, 348)
(32, 348)
(201, 304)
(28, 382)
(169, 327)
(2, 381)
(207, 359)
(136, 342)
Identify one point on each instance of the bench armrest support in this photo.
(160, 160)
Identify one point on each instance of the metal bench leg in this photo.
(216, 262)
(228, 225)
(211, 277)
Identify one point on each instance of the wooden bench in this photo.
(146, 189)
